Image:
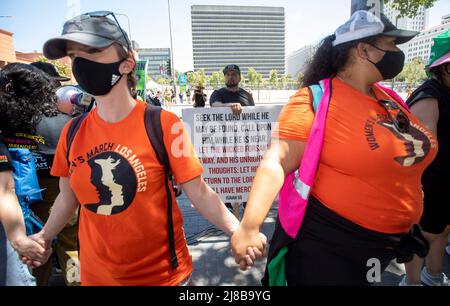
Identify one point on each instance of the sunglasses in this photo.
(106, 14)
(397, 116)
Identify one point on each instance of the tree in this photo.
(258, 79)
(273, 79)
(197, 78)
(285, 80)
(300, 79)
(409, 8)
(163, 81)
(243, 81)
(215, 79)
(190, 77)
(414, 72)
(252, 77)
(62, 69)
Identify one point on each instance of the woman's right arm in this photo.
(62, 211)
(282, 158)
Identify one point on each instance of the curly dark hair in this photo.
(329, 60)
(26, 95)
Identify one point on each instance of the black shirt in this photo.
(439, 170)
(225, 96)
(5, 158)
(50, 129)
(199, 98)
(42, 143)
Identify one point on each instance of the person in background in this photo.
(232, 95)
(431, 104)
(168, 98)
(188, 95)
(180, 95)
(66, 246)
(26, 96)
(199, 97)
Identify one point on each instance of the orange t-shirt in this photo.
(119, 183)
(368, 173)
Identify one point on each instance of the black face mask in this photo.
(391, 64)
(96, 78)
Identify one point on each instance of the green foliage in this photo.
(216, 79)
(299, 79)
(414, 72)
(163, 81)
(62, 69)
(409, 8)
(273, 79)
(197, 78)
(284, 80)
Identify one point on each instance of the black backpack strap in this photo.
(153, 127)
(73, 129)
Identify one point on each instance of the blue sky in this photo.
(307, 21)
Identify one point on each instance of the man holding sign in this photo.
(234, 97)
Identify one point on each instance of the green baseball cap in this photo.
(440, 51)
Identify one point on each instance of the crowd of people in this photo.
(107, 205)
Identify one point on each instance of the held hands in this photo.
(36, 254)
(37, 251)
(247, 246)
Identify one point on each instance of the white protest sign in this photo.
(231, 147)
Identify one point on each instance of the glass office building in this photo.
(248, 36)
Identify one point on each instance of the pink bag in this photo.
(297, 186)
(294, 194)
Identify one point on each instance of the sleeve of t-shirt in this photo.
(184, 162)
(215, 97)
(251, 102)
(296, 118)
(6, 163)
(420, 94)
(60, 167)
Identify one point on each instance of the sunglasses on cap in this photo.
(106, 14)
(398, 117)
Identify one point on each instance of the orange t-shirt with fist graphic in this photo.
(116, 177)
(369, 173)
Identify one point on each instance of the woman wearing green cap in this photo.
(431, 103)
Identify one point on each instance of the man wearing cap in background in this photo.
(66, 246)
(431, 104)
(51, 71)
(232, 95)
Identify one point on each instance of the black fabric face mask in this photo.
(96, 78)
(391, 64)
